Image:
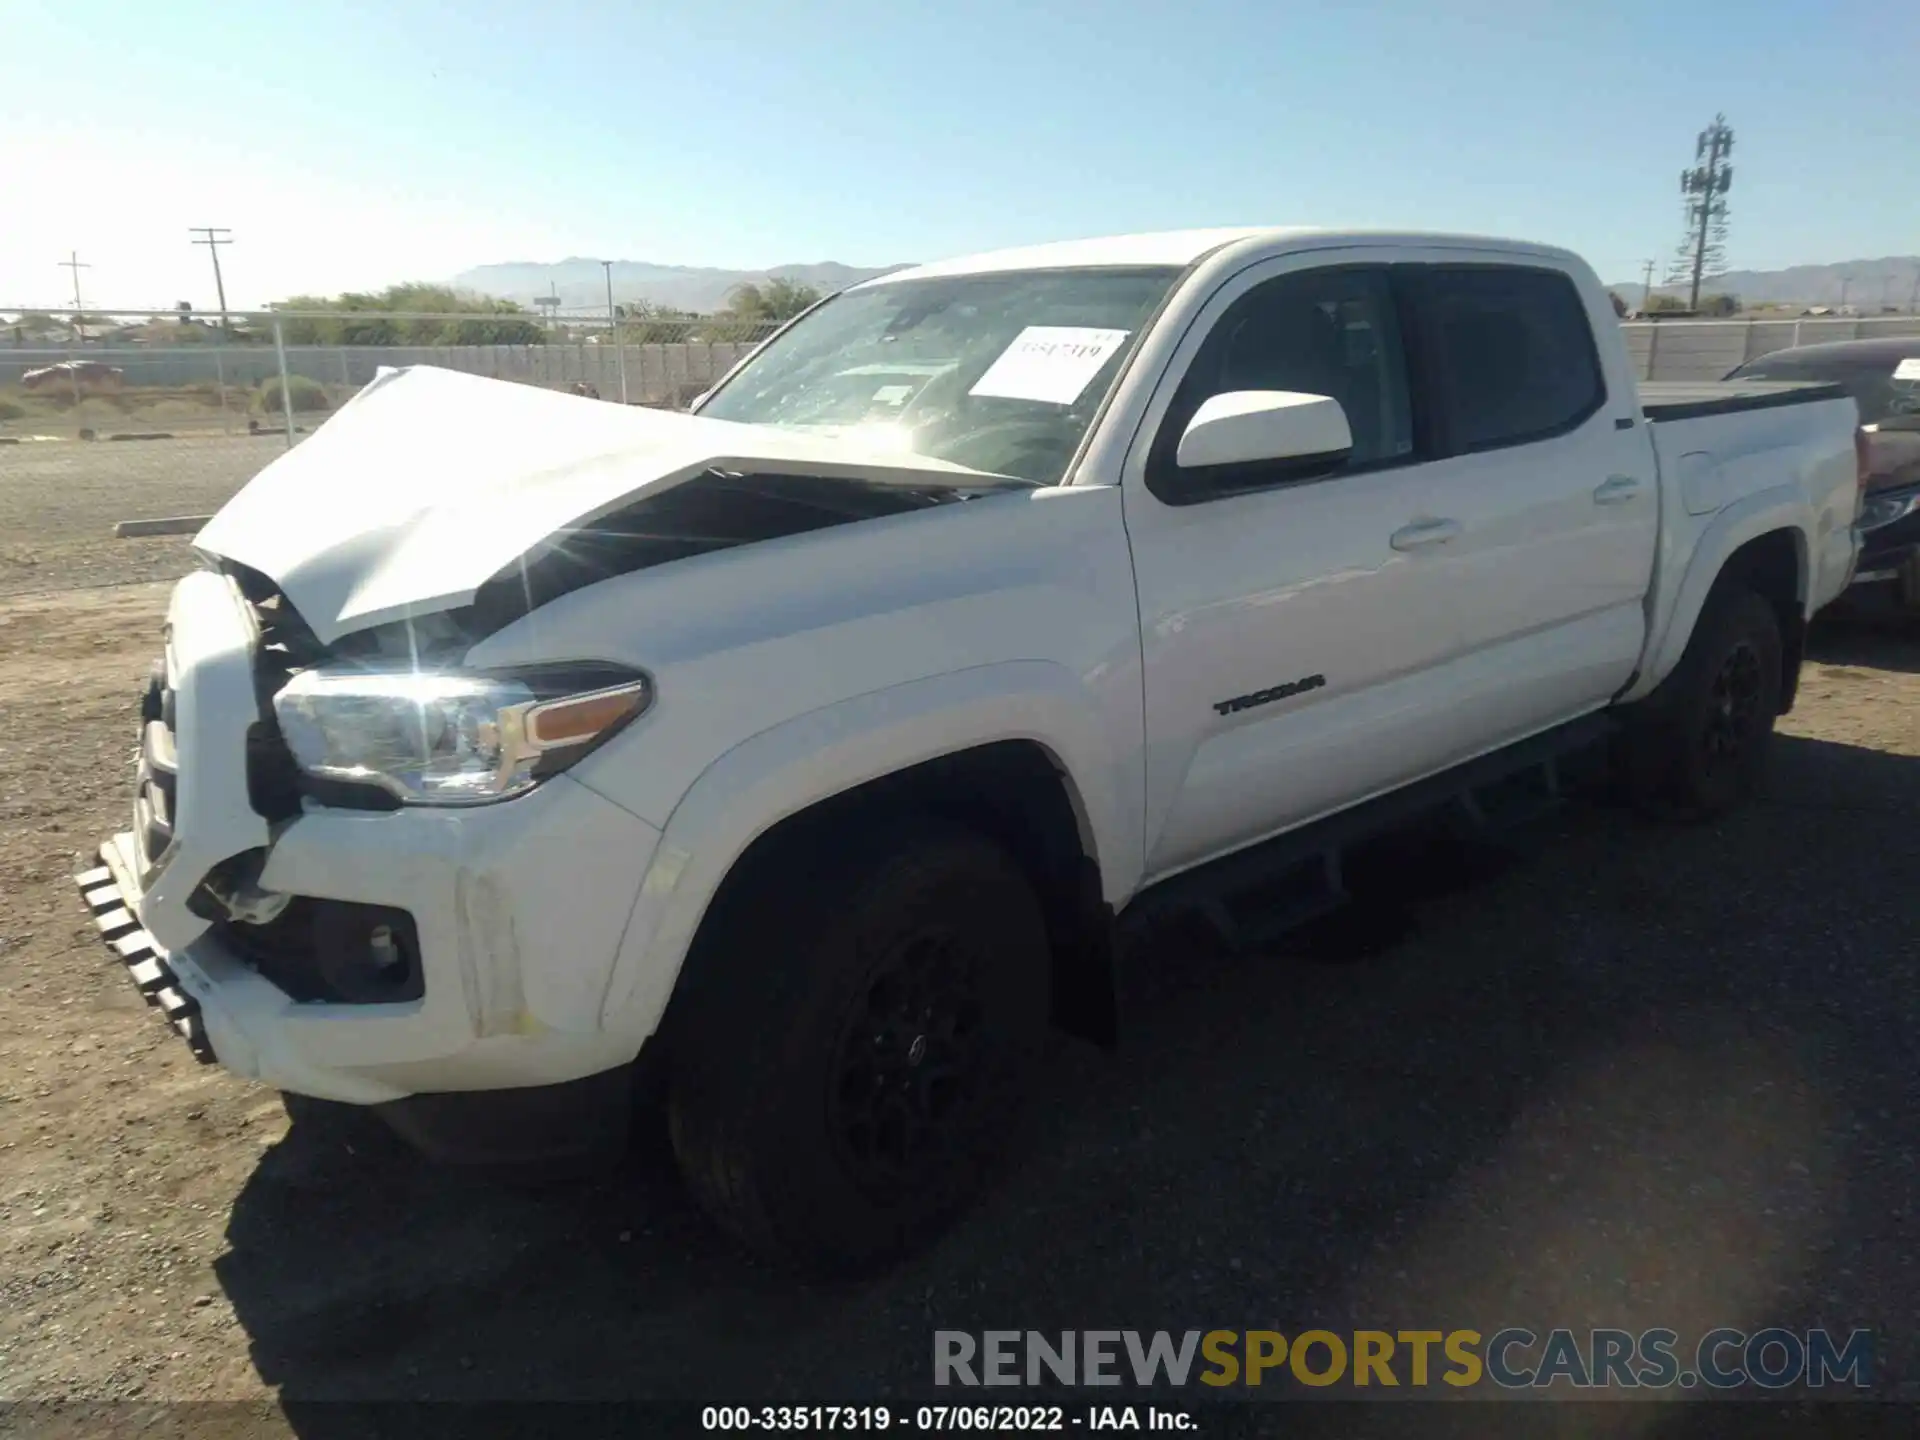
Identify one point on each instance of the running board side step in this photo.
(1255, 896)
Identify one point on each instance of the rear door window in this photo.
(1507, 355)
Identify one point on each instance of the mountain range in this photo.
(1867, 284)
(581, 284)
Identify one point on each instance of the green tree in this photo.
(774, 303)
(363, 319)
(38, 325)
(1663, 304)
(753, 309)
(1720, 307)
(1619, 305)
(644, 323)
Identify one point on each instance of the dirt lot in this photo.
(1643, 1076)
(59, 501)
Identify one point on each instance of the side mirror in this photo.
(1246, 426)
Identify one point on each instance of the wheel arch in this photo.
(1763, 542)
(1015, 751)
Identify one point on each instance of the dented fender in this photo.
(826, 752)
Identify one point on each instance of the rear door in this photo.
(1543, 473)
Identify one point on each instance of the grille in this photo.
(157, 789)
(286, 645)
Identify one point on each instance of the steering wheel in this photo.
(990, 447)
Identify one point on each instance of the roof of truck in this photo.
(1184, 247)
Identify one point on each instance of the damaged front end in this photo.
(369, 566)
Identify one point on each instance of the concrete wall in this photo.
(1708, 349)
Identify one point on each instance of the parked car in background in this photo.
(1883, 376)
(91, 376)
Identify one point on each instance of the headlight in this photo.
(1877, 511)
(453, 738)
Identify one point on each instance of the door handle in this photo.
(1423, 533)
(1616, 489)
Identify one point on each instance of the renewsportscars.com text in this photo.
(1510, 1358)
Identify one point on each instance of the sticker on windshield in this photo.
(893, 395)
(1907, 369)
(1049, 363)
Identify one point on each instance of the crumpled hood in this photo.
(429, 482)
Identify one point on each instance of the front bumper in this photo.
(518, 909)
(105, 890)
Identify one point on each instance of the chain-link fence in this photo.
(117, 377)
(129, 416)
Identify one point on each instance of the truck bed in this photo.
(1691, 399)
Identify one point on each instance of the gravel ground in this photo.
(1640, 1076)
(59, 501)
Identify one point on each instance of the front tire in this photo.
(860, 1035)
(1700, 747)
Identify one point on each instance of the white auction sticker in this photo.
(1908, 369)
(1050, 363)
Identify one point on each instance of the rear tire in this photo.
(859, 1037)
(1699, 747)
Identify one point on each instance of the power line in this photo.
(1703, 188)
(215, 237)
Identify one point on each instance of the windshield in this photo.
(998, 372)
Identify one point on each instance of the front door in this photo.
(1292, 624)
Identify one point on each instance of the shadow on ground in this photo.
(1880, 637)
(1637, 1076)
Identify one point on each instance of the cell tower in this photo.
(1703, 189)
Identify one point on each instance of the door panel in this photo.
(1289, 598)
(1474, 574)
(1556, 503)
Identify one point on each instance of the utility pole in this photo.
(1646, 288)
(1703, 188)
(1846, 283)
(75, 264)
(1913, 295)
(613, 330)
(215, 237)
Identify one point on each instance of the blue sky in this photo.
(362, 143)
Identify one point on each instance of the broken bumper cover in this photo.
(219, 1006)
(519, 910)
(156, 980)
(207, 998)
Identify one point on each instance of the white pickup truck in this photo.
(799, 754)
